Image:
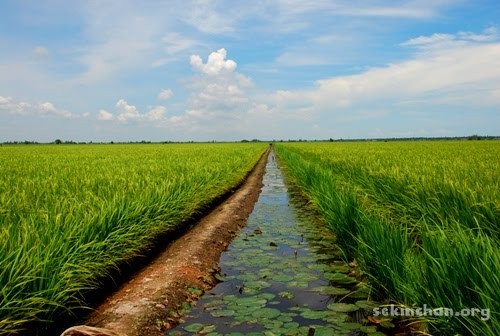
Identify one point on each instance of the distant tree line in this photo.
(71, 142)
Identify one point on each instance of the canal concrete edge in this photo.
(146, 305)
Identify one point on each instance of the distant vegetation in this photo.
(71, 142)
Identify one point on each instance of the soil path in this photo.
(144, 305)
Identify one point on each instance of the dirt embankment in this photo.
(144, 305)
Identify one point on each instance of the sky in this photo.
(197, 70)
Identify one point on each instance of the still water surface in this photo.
(282, 275)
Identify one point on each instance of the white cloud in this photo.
(47, 107)
(21, 108)
(216, 63)
(156, 113)
(443, 75)
(390, 9)
(425, 40)
(5, 100)
(127, 112)
(460, 39)
(104, 115)
(218, 91)
(219, 97)
(165, 94)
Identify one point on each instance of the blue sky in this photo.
(231, 70)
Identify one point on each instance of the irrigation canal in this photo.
(282, 275)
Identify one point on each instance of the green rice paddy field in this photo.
(70, 214)
(421, 219)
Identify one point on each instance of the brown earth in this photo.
(147, 305)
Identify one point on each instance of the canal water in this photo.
(282, 275)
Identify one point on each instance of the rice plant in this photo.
(70, 214)
(421, 218)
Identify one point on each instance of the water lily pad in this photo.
(270, 333)
(343, 307)
(282, 277)
(314, 314)
(251, 301)
(272, 324)
(195, 327)
(361, 291)
(350, 325)
(175, 333)
(330, 290)
(284, 318)
(267, 296)
(291, 325)
(257, 285)
(268, 313)
(323, 331)
(368, 329)
(286, 295)
(229, 298)
(339, 268)
(208, 329)
(336, 318)
(367, 305)
(222, 313)
(340, 278)
(213, 304)
(387, 325)
(305, 277)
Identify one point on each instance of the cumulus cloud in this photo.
(215, 65)
(21, 108)
(218, 90)
(219, 98)
(126, 113)
(104, 115)
(5, 100)
(156, 113)
(47, 107)
(223, 101)
(165, 94)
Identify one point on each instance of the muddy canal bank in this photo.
(282, 275)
